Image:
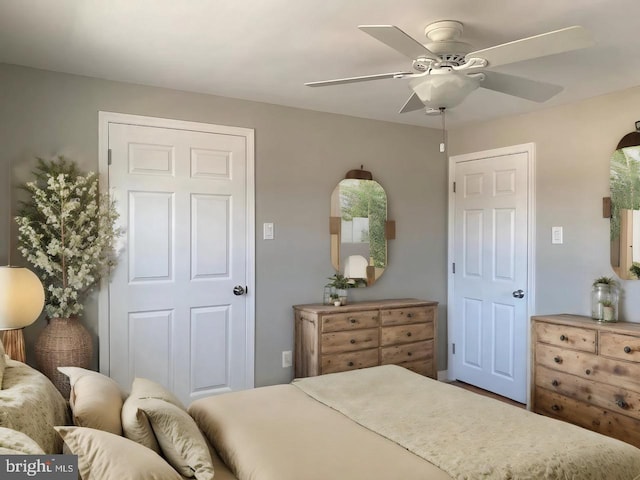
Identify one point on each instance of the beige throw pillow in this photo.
(180, 439)
(95, 400)
(135, 424)
(13, 442)
(105, 456)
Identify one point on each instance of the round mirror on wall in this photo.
(359, 228)
(625, 207)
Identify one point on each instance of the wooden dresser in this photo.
(588, 373)
(365, 334)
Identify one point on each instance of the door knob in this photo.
(239, 290)
(518, 294)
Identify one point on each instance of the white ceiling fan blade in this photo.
(412, 104)
(519, 87)
(364, 78)
(398, 40)
(558, 41)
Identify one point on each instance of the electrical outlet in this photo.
(286, 359)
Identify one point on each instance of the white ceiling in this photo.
(265, 50)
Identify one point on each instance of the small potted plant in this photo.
(335, 299)
(339, 283)
(604, 299)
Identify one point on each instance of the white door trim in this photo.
(104, 119)
(529, 149)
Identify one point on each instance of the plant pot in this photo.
(64, 342)
(342, 295)
(608, 314)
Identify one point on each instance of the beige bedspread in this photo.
(280, 433)
(469, 436)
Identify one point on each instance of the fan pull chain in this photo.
(444, 131)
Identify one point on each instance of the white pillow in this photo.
(95, 400)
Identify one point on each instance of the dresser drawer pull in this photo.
(556, 408)
(563, 338)
(352, 341)
(408, 334)
(409, 354)
(557, 359)
(409, 315)
(587, 371)
(555, 383)
(350, 364)
(352, 320)
(627, 349)
(622, 404)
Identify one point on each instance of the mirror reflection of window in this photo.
(625, 212)
(358, 229)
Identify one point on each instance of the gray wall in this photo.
(573, 147)
(300, 157)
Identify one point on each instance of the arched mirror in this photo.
(359, 228)
(625, 207)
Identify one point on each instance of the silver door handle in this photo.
(518, 294)
(239, 290)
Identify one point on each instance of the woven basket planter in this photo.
(64, 342)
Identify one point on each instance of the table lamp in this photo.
(21, 302)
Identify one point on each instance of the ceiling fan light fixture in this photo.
(444, 91)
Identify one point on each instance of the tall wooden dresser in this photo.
(332, 339)
(588, 373)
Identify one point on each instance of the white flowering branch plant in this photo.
(67, 231)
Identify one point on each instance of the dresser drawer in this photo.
(349, 321)
(565, 336)
(623, 347)
(588, 416)
(349, 341)
(401, 316)
(341, 362)
(406, 353)
(406, 333)
(614, 398)
(589, 366)
(422, 367)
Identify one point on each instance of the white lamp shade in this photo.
(355, 266)
(21, 297)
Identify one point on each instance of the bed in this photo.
(377, 423)
(389, 423)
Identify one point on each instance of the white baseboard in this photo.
(443, 375)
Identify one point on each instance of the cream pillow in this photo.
(95, 400)
(135, 424)
(180, 439)
(105, 456)
(3, 363)
(13, 442)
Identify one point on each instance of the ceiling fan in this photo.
(446, 71)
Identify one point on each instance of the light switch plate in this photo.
(556, 235)
(267, 231)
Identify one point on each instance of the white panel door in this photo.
(173, 314)
(490, 254)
